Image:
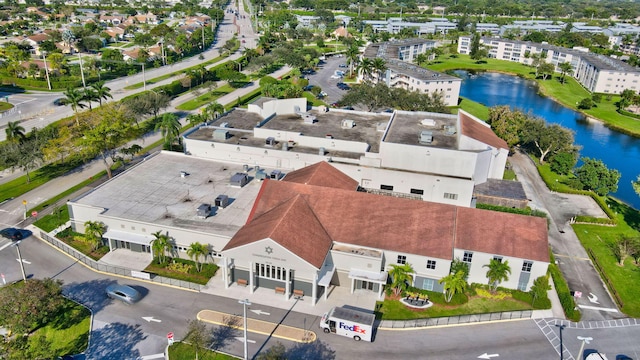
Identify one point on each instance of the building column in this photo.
(111, 247)
(287, 284)
(352, 284)
(380, 291)
(314, 289)
(251, 276)
(225, 272)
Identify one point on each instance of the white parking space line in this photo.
(151, 357)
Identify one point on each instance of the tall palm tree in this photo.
(565, 69)
(93, 231)
(401, 277)
(196, 250)
(213, 110)
(169, 127)
(14, 131)
(160, 245)
(498, 272)
(75, 98)
(102, 91)
(365, 69)
(420, 59)
(353, 55)
(379, 66)
(453, 284)
(89, 95)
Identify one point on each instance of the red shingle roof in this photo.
(322, 174)
(473, 129)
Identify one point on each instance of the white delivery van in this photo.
(353, 323)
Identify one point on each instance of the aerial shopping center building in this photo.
(303, 200)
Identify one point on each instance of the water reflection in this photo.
(616, 150)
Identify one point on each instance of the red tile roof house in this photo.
(313, 230)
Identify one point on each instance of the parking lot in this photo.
(322, 78)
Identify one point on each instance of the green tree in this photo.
(547, 139)
(379, 67)
(458, 265)
(75, 98)
(565, 69)
(93, 231)
(365, 69)
(586, 104)
(624, 247)
(197, 335)
(507, 124)
(545, 69)
(275, 352)
(195, 251)
(626, 98)
(498, 271)
(453, 284)
(539, 288)
(636, 185)
(213, 110)
(160, 244)
(420, 59)
(401, 277)
(594, 175)
(29, 305)
(169, 127)
(562, 162)
(102, 92)
(353, 55)
(14, 131)
(477, 52)
(89, 95)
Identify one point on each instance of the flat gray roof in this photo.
(155, 192)
(407, 126)
(240, 124)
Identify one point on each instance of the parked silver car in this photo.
(124, 293)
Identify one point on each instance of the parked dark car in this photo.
(124, 293)
(12, 233)
(342, 65)
(308, 88)
(60, 102)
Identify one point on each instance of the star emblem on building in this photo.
(268, 250)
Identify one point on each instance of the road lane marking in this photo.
(151, 357)
(598, 308)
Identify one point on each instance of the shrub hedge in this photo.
(564, 294)
(525, 211)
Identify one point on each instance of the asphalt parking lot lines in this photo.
(259, 327)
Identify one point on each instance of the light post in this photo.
(46, 68)
(24, 202)
(585, 340)
(245, 303)
(561, 327)
(17, 245)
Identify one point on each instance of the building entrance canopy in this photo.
(129, 237)
(371, 276)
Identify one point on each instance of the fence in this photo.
(456, 320)
(606, 279)
(110, 268)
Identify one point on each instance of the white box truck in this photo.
(348, 322)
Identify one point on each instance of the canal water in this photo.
(618, 151)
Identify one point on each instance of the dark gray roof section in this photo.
(501, 188)
(418, 72)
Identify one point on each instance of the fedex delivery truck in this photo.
(353, 323)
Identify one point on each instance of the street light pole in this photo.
(24, 202)
(561, 327)
(24, 275)
(245, 302)
(585, 340)
(46, 69)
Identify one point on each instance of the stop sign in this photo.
(170, 336)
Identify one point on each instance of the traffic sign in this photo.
(34, 214)
(170, 338)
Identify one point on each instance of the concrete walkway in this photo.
(257, 326)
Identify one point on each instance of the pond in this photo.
(618, 151)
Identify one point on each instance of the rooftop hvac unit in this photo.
(426, 137)
(309, 119)
(204, 210)
(348, 124)
(220, 135)
(222, 201)
(428, 122)
(276, 174)
(239, 179)
(321, 151)
(261, 175)
(449, 129)
(271, 141)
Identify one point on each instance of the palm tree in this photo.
(93, 231)
(353, 54)
(365, 69)
(196, 250)
(213, 110)
(14, 131)
(195, 119)
(102, 91)
(498, 272)
(402, 276)
(379, 66)
(74, 98)
(160, 245)
(420, 59)
(453, 284)
(169, 127)
(89, 95)
(565, 68)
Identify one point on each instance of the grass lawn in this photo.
(202, 277)
(4, 106)
(313, 100)
(395, 310)
(68, 332)
(75, 240)
(625, 278)
(182, 351)
(52, 221)
(568, 94)
(474, 108)
(206, 98)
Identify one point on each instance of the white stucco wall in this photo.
(428, 160)
(419, 264)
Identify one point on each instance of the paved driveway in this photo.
(322, 78)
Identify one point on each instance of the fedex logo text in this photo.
(354, 328)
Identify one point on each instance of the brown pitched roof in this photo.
(288, 224)
(306, 218)
(474, 129)
(38, 38)
(322, 174)
(502, 234)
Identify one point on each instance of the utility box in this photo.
(204, 210)
(220, 135)
(261, 175)
(276, 174)
(270, 141)
(222, 201)
(239, 180)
